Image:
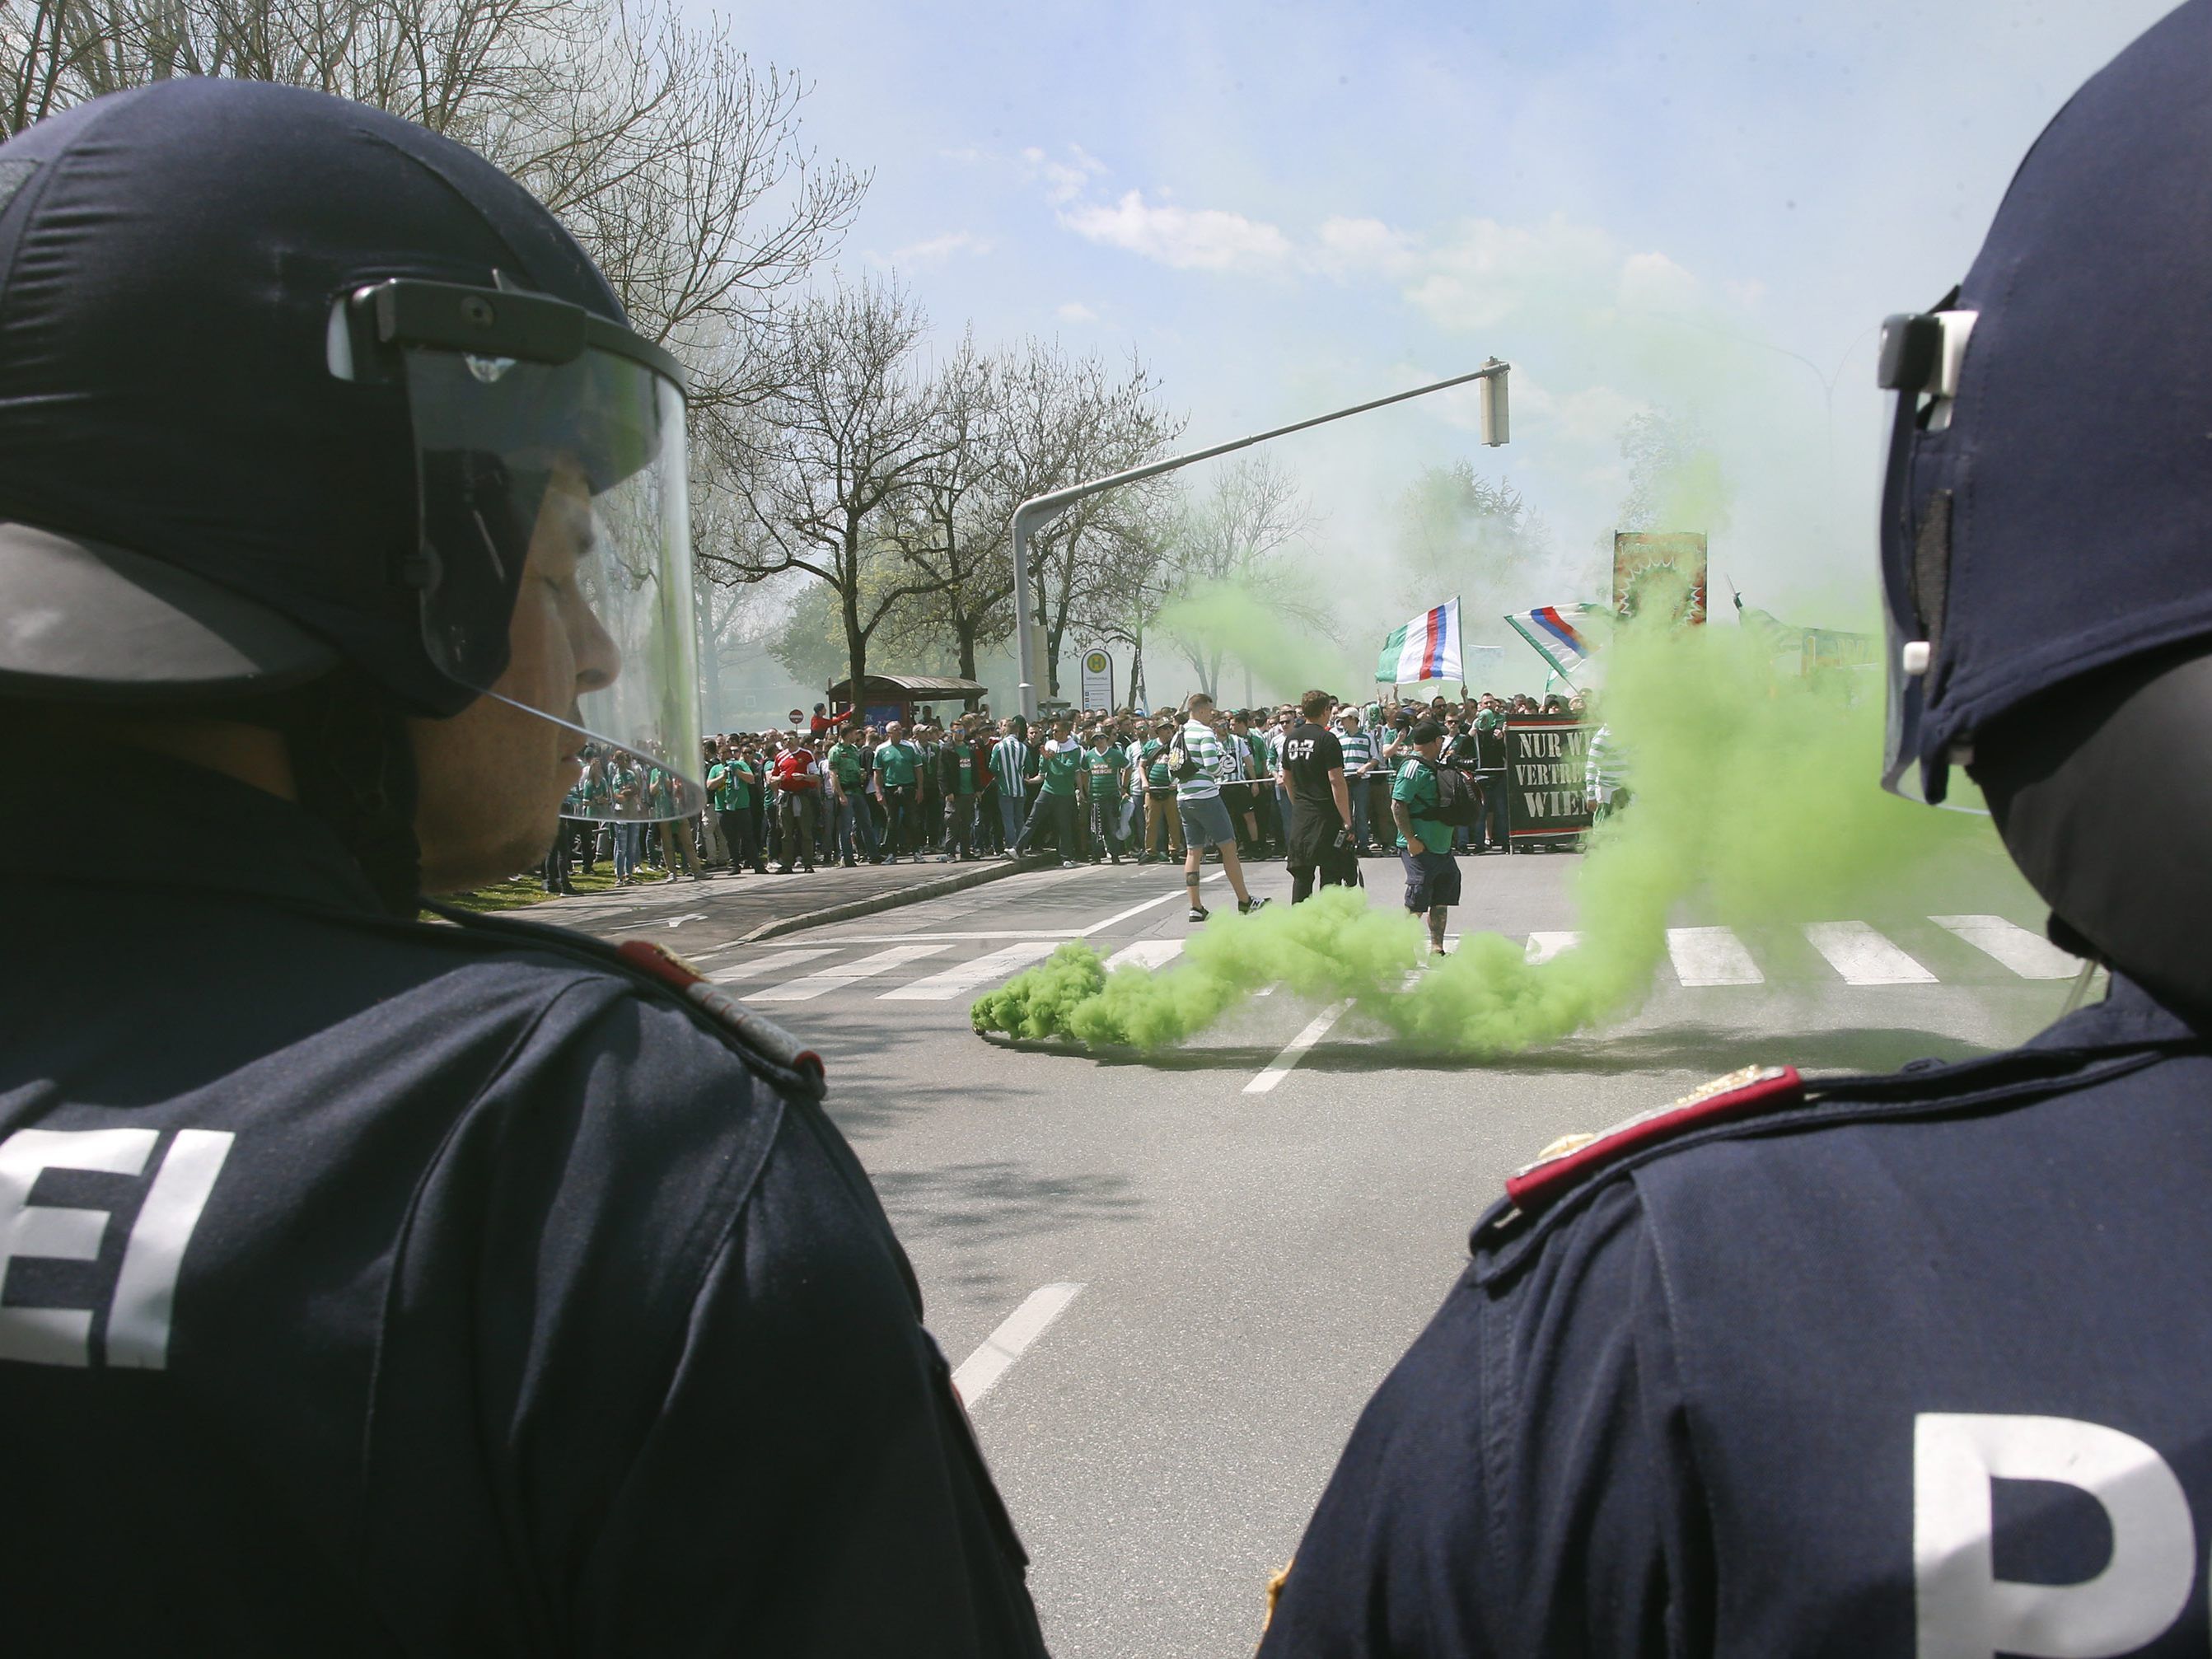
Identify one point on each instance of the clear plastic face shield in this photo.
(1920, 361)
(555, 565)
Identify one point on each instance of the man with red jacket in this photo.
(798, 779)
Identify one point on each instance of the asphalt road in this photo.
(1251, 1262)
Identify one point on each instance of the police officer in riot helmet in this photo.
(367, 1284)
(1911, 1364)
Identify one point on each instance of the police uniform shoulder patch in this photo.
(766, 1047)
(1568, 1161)
(765, 1036)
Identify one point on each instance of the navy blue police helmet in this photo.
(2047, 529)
(2048, 508)
(284, 381)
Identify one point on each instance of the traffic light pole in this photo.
(1037, 509)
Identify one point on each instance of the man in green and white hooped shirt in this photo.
(1424, 842)
(1059, 764)
(1198, 799)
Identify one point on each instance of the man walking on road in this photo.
(1198, 799)
(1424, 840)
(1060, 767)
(1009, 771)
(1320, 834)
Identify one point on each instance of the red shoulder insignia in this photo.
(1565, 1161)
(763, 1036)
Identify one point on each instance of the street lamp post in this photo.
(1036, 510)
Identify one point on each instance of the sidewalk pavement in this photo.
(747, 907)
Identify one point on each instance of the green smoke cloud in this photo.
(1754, 790)
(1238, 624)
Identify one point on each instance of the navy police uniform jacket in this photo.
(374, 1287)
(1915, 1366)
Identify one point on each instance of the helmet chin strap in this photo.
(2102, 791)
(353, 765)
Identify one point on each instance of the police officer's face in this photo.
(492, 777)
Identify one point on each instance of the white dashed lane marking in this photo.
(2013, 945)
(1153, 953)
(1279, 1067)
(998, 964)
(1542, 947)
(984, 1367)
(1710, 956)
(754, 967)
(845, 974)
(1863, 956)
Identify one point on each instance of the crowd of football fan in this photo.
(1093, 787)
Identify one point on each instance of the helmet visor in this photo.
(1901, 759)
(557, 560)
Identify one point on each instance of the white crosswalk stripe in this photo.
(2029, 957)
(1542, 947)
(845, 974)
(1858, 951)
(1863, 956)
(999, 964)
(1710, 956)
(768, 962)
(1153, 953)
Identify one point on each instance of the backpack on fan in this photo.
(1459, 803)
(1183, 766)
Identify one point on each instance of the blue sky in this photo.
(1284, 207)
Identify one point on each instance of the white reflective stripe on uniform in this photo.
(146, 1290)
(1965, 1611)
(56, 1336)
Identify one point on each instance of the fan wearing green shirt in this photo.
(854, 831)
(1105, 762)
(898, 770)
(1059, 771)
(1424, 842)
(730, 785)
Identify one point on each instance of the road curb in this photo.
(938, 888)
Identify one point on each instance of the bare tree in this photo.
(1231, 550)
(839, 450)
(1069, 420)
(952, 527)
(676, 161)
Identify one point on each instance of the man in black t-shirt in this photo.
(1312, 770)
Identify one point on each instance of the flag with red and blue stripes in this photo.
(1561, 633)
(1425, 648)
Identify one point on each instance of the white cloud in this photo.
(936, 250)
(1652, 282)
(1350, 247)
(1594, 415)
(1063, 180)
(1202, 238)
(1076, 312)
